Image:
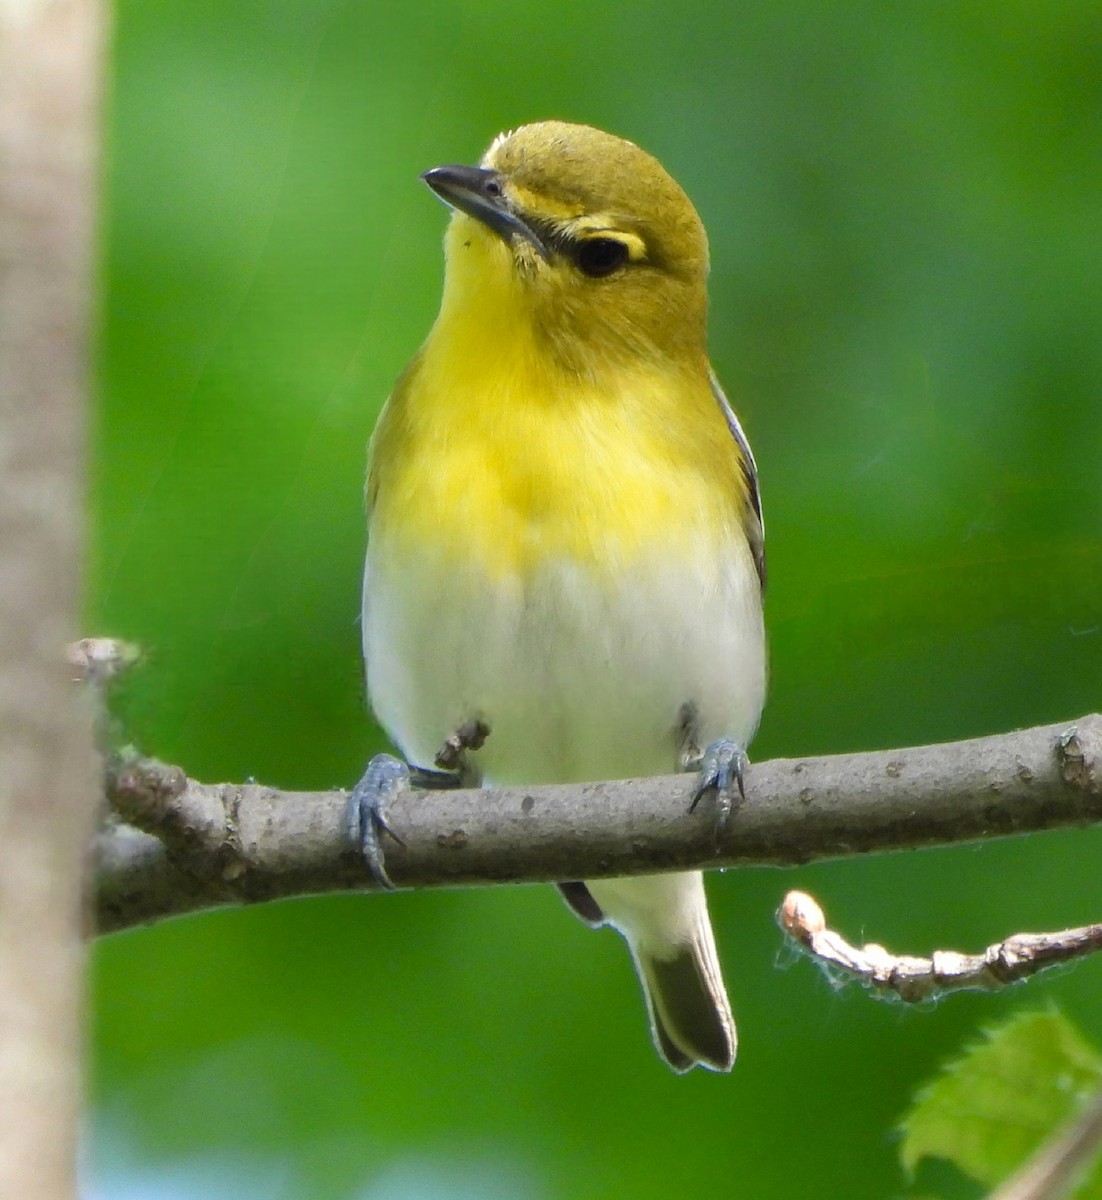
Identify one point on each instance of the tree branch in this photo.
(206, 845)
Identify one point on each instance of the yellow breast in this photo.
(495, 450)
(505, 461)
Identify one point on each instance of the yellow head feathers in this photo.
(584, 236)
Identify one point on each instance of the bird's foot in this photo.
(385, 779)
(720, 770)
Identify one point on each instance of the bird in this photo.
(565, 554)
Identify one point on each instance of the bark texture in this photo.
(50, 54)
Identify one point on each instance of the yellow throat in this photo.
(562, 414)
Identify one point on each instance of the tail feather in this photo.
(676, 1058)
(690, 1014)
(665, 921)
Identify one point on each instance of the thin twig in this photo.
(99, 660)
(916, 979)
(1059, 1164)
(210, 845)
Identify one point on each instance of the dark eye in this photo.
(600, 256)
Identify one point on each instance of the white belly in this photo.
(577, 678)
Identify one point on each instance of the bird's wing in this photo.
(392, 425)
(755, 522)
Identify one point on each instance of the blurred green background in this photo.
(905, 215)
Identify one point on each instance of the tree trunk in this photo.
(50, 56)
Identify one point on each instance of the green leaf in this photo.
(989, 1111)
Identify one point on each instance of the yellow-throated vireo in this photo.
(565, 551)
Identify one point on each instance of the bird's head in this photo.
(583, 238)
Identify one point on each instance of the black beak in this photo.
(479, 193)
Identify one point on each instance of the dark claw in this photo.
(384, 780)
(721, 768)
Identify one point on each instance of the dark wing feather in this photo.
(580, 899)
(755, 522)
